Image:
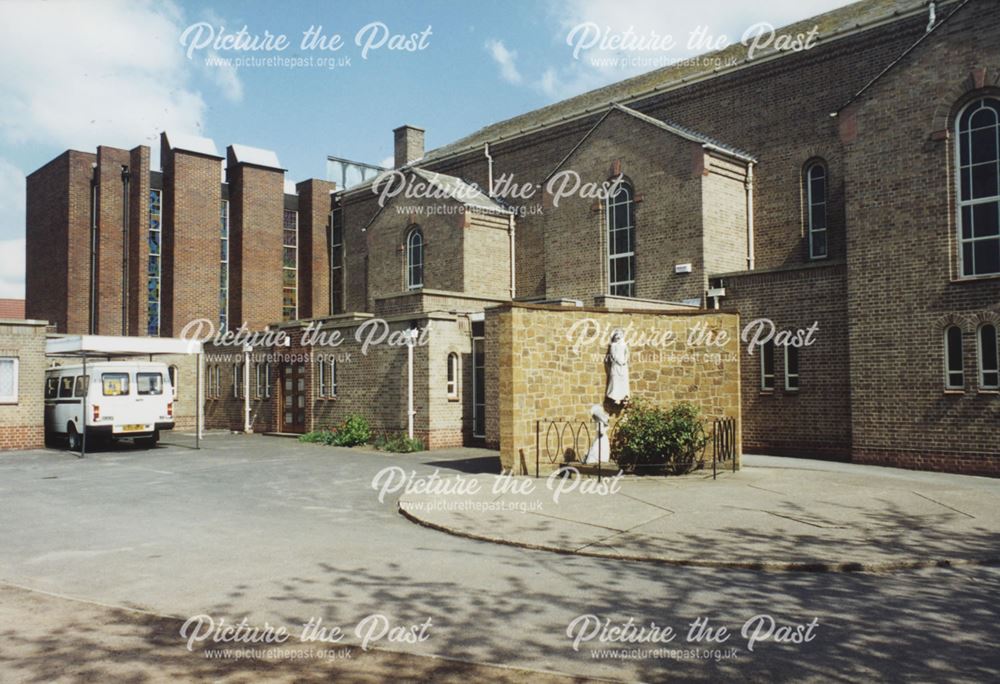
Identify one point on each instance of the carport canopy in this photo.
(112, 346)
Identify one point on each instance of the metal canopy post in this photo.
(83, 410)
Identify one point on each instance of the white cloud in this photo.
(11, 223)
(505, 59)
(12, 268)
(598, 65)
(94, 73)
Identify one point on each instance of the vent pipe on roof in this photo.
(931, 16)
(489, 170)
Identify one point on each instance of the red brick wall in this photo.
(903, 286)
(314, 247)
(192, 197)
(256, 206)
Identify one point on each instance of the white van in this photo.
(115, 400)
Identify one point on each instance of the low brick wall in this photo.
(543, 375)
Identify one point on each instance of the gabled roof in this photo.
(687, 133)
(450, 188)
(831, 25)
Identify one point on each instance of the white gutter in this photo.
(749, 190)
(247, 426)
(410, 340)
(513, 268)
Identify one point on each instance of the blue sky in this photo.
(77, 74)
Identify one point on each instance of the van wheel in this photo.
(73, 439)
(149, 442)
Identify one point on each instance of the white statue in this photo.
(600, 450)
(618, 390)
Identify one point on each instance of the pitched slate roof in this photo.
(831, 25)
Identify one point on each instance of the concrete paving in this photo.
(275, 531)
(775, 514)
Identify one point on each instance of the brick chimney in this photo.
(409, 144)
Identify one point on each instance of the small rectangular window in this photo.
(237, 380)
(8, 380)
(452, 375)
(51, 387)
(66, 387)
(174, 375)
(148, 383)
(114, 384)
(792, 369)
(767, 366)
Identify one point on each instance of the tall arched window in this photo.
(415, 258)
(953, 365)
(978, 163)
(816, 199)
(621, 242)
(989, 357)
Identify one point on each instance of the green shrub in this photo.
(352, 432)
(317, 437)
(649, 438)
(398, 443)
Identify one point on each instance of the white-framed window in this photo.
(9, 366)
(290, 266)
(816, 202)
(621, 241)
(175, 377)
(791, 368)
(154, 268)
(954, 367)
(262, 380)
(224, 265)
(238, 381)
(452, 375)
(988, 353)
(327, 377)
(337, 261)
(215, 383)
(415, 258)
(767, 366)
(978, 164)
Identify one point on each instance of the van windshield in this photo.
(114, 384)
(149, 383)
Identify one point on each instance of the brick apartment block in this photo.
(810, 188)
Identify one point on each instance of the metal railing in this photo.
(723, 443)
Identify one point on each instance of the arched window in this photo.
(621, 241)
(816, 199)
(989, 358)
(978, 163)
(415, 259)
(452, 375)
(954, 367)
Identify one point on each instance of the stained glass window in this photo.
(154, 265)
(224, 265)
(290, 266)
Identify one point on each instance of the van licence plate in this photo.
(133, 428)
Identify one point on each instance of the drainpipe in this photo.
(247, 426)
(125, 184)
(489, 169)
(749, 189)
(510, 234)
(411, 337)
(92, 322)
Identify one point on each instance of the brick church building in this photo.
(852, 188)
